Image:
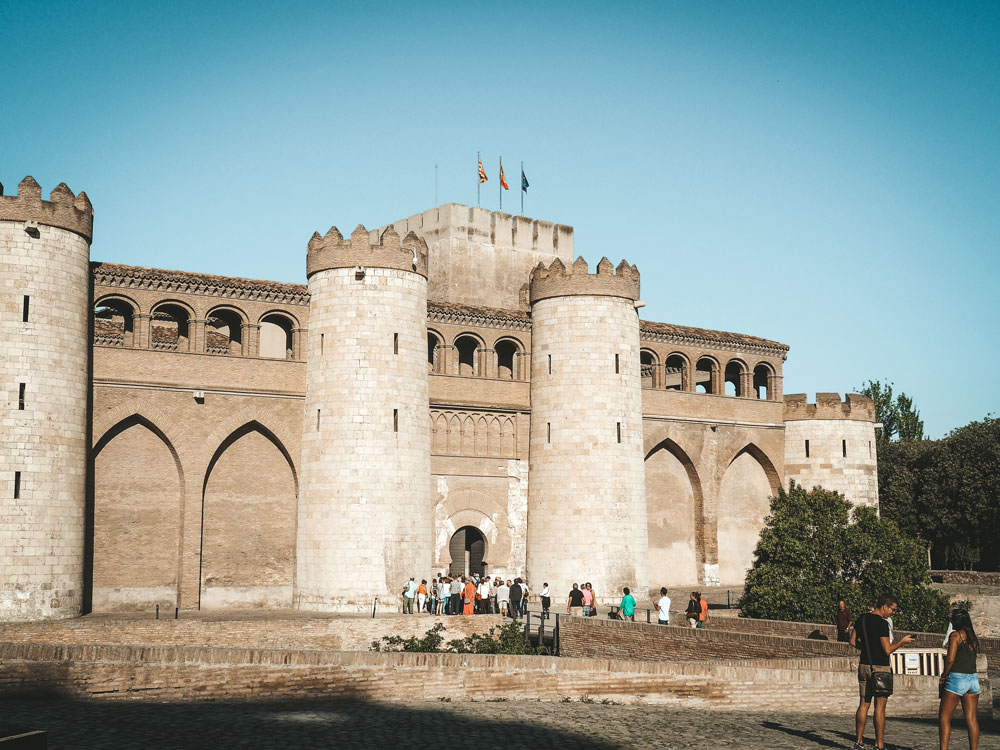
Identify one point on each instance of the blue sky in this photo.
(823, 174)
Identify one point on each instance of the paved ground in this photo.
(541, 726)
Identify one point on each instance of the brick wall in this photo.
(973, 577)
(167, 673)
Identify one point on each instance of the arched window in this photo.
(224, 332)
(734, 378)
(114, 323)
(467, 349)
(704, 375)
(433, 342)
(761, 377)
(674, 372)
(507, 355)
(647, 368)
(276, 337)
(169, 328)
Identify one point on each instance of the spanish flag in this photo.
(482, 173)
(503, 182)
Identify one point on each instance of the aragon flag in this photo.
(503, 182)
(524, 181)
(482, 173)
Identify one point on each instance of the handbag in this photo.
(881, 682)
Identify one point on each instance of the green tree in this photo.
(815, 549)
(900, 421)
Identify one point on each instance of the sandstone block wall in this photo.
(43, 428)
(364, 521)
(586, 480)
(855, 475)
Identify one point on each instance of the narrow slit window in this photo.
(24, 308)
(843, 444)
(321, 342)
(317, 419)
(619, 432)
(20, 397)
(617, 369)
(869, 449)
(17, 485)
(550, 364)
(395, 343)
(807, 449)
(395, 420)
(548, 432)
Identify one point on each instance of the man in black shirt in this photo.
(871, 637)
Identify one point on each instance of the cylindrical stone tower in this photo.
(44, 355)
(364, 523)
(586, 478)
(831, 444)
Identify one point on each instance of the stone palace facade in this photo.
(453, 391)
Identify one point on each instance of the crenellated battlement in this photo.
(332, 250)
(63, 209)
(559, 281)
(829, 406)
(456, 221)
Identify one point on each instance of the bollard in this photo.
(176, 609)
(157, 611)
(374, 605)
(555, 636)
(648, 620)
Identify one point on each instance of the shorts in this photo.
(864, 672)
(961, 683)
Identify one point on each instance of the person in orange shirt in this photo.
(703, 619)
(469, 598)
(421, 595)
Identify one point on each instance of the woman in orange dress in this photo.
(469, 598)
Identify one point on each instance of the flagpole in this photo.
(479, 182)
(521, 186)
(435, 185)
(500, 185)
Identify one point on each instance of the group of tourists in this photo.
(872, 635)
(468, 595)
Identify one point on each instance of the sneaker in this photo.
(858, 746)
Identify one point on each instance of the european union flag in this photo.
(524, 182)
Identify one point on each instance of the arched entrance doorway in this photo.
(467, 548)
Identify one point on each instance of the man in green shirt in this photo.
(627, 608)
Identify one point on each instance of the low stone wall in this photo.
(968, 577)
(258, 630)
(176, 673)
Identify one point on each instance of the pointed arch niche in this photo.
(249, 504)
(744, 502)
(138, 486)
(674, 504)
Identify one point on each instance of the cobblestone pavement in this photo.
(152, 726)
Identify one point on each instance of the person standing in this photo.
(421, 595)
(546, 597)
(693, 611)
(469, 598)
(663, 605)
(844, 620)
(588, 599)
(503, 598)
(627, 607)
(516, 594)
(456, 596)
(574, 605)
(871, 637)
(408, 593)
(959, 680)
(483, 593)
(703, 616)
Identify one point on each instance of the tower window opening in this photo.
(807, 449)
(548, 432)
(322, 343)
(17, 485)
(619, 432)
(550, 364)
(869, 449)
(395, 420)
(317, 419)
(20, 397)
(843, 444)
(24, 308)
(395, 343)
(617, 365)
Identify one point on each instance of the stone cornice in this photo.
(224, 287)
(472, 317)
(683, 338)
